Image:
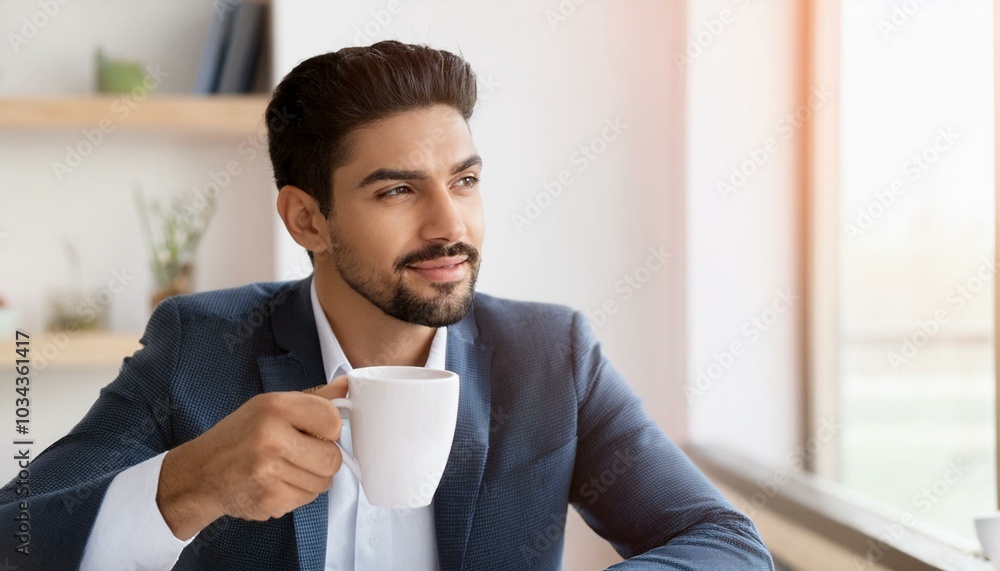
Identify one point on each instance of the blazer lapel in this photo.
(293, 327)
(294, 330)
(455, 498)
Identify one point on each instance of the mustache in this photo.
(435, 251)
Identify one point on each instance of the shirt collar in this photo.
(334, 359)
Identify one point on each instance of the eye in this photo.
(393, 192)
(473, 180)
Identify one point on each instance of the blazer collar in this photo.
(294, 330)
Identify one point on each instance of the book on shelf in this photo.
(213, 51)
(231, 52)
(241, 53)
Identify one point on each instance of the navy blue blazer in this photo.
(544, 422)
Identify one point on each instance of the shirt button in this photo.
(373, 541)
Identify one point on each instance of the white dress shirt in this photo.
(130, 533)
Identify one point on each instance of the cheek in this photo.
(474, 222)
(383, 241)
(373, 241)
(368, 225)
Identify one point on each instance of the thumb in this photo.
(337, 388)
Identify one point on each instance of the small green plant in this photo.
(172, 233)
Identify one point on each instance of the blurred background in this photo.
(778, 214)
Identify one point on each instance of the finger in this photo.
(284, 498)
(311, 414)
(337, 388)
(304, 479)
(320, 457)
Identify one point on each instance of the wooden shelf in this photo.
(80, 350)
(208, 114)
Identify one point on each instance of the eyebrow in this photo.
(396, 174)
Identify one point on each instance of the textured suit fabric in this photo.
(545, 421)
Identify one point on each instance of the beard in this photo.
(448, 302)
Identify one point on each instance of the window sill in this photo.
(795, 509)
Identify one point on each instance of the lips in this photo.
(439, 263)
(441, 270)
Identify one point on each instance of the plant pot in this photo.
(179, 285)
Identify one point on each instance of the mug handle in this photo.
(351, 462)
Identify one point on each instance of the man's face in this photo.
(407, 221)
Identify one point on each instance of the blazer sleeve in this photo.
(635, 488)
(129, 423)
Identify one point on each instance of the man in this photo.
(214, 448)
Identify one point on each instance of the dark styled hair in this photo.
(315, 108)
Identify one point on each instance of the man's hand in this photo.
(260, 462)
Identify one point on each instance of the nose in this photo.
(443, 220)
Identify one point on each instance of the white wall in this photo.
(741, 247)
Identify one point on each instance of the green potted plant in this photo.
(172, 234)
(119, 75)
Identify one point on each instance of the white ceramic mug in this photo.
(402, 427)
(988, 530)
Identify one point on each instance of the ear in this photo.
(303, 219)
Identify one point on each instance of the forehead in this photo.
(431, 139)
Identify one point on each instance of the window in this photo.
(913, 342)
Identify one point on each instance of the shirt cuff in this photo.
(130, 532)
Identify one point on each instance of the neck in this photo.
(366, 334)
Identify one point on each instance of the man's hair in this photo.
(315, 108)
